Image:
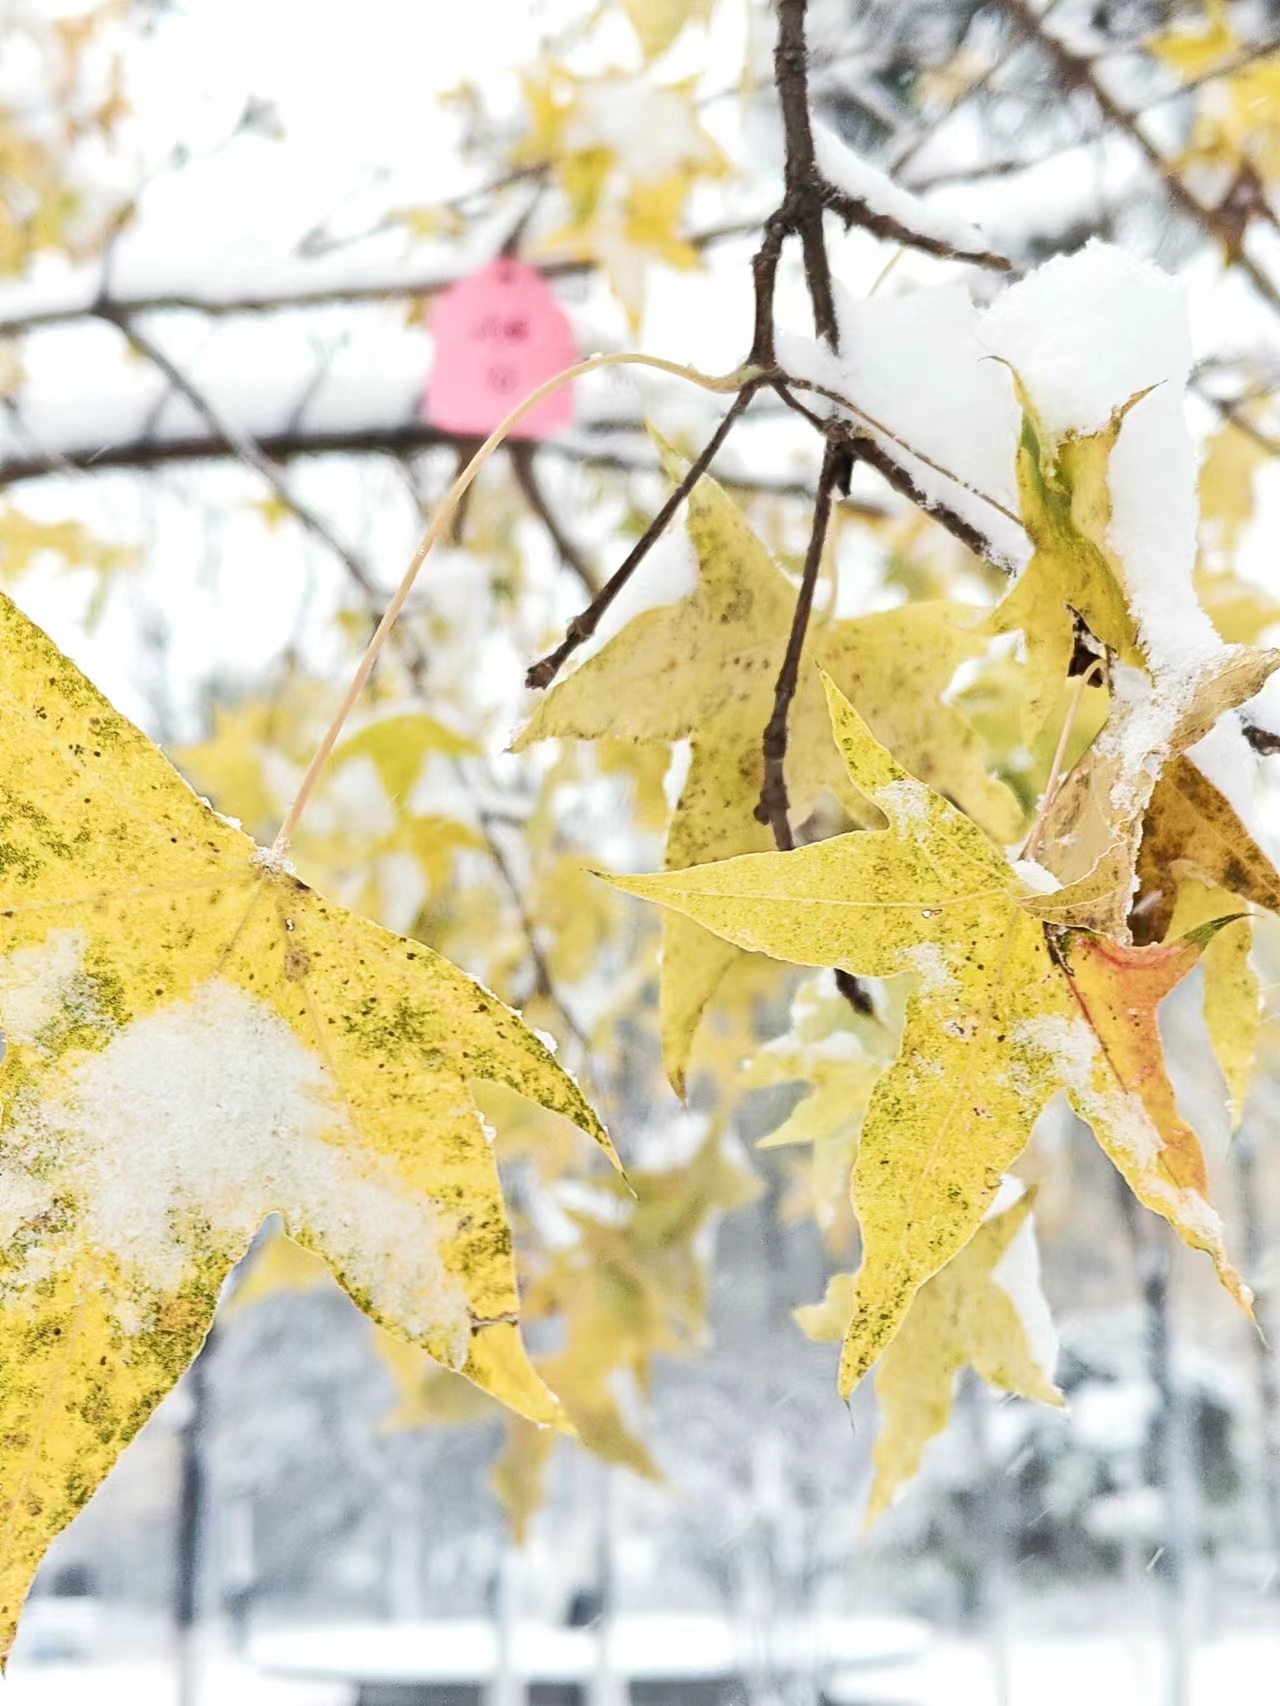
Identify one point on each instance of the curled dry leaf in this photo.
(1104, 803)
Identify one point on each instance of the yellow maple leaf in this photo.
(194, 1040)
(425, 1394)
(967, 1313)
(706, 667)
(625, 153)
(1065, 503)
(839, 1054)
(1004, 1011)
(1192, 829)
(1225, 489)
(519, 1474)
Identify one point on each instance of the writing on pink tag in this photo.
(498, 335)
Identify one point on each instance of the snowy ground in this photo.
(1065, 1671)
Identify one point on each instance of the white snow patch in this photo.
(202, 1117)
(906, 805)
(929, 963)
(1086, 333)
(40, 986)
(273, 861)
(1035, 878)
(868, 184)
(917, 366)
(1144, 715)
(23, 1199)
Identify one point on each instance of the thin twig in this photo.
(522, 465)
(774, 805)
(242, 446)
(584, 625)
(854, 210)
(806, 190)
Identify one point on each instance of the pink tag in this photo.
(498, 335)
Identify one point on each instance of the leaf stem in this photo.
(438, 525)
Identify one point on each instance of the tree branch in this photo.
(400, 440)
(774, 804)
(583, 626)
(522, 465)
(90, 303)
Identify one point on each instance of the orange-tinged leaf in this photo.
(1118, 990)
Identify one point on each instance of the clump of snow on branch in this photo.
(846, 171)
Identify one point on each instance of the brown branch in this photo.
(522, 466)
(806, 190)
(774, 804)
(871, 452)
(394, 286)
(853, 210)
(584, 625)
(1263, 741)
(400, 440)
